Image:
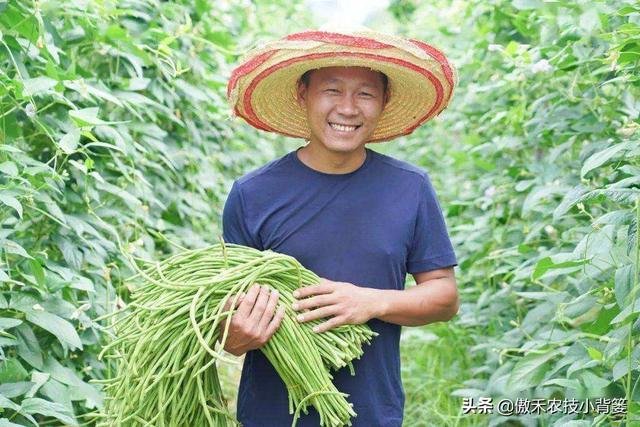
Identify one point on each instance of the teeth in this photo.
(343, 128)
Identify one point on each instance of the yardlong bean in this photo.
(169, 340)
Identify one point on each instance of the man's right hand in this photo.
(255, 321)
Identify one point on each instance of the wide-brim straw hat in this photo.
(263, 88)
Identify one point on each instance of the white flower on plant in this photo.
(38, 307)
(551, 231)
(120, 302)
(490, 191)
(76, 313)
(542, 66)
(628, 130)
(30, 110)
(494, 47)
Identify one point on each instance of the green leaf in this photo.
(6, 403)
(28, 346)
(589, 21)
(16, 389)
(38, 272)
(527, 4)
(57, 392)
(36, 405)
(570, 199)
(620, 369)
(88, 393)
(38, 379)
(530, 370)
(602, 324)
(127, 197)
(594, 353)
(601, 157)
(69, 142)
(26, 26)
(623, 283)
(103, 94)
(618, 217)
(594, 384)
(7, 340)
(540, 194)
(6, 423)
(14, 248)
(546, 263)
(190, 91)
(512, 46)
(11, 371)
(9, 168)
(51, 47)
(37, 85)
(628, 10)
(61, 373)
(8, 322)
(10, 148)
(12, 202)
(71, 253)
(577, 423)
(563, 382)
(63, 330)
(86, 116)
(82, 283)
(628, 311)
(630, 52)
(105, 145)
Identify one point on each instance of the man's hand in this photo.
(343, 302)
(255, 321)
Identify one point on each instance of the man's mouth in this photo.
(343, 127)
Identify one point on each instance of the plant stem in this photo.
(634, 292)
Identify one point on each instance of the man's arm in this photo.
(433, 299)
(256, 318)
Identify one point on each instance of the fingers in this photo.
(269, 311)
(316, 301)
(238, 299)
(227, 307)
(321, 288)
(244, 310)
(334, 322)
(318, 313)
(260, 305)
(275, 322)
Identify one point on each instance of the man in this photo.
(359, 219)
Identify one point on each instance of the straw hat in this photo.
(262, 89)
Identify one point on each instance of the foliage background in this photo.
(115, 135)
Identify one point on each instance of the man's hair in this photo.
(306, 77)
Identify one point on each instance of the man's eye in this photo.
(331, 90)
(366, 94)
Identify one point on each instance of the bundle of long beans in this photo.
(169, 339)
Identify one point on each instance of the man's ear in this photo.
(301, 93)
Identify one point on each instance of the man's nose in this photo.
(346, 106)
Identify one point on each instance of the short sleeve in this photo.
(234, 220)
(431, 247)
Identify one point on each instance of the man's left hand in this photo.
(342, 302)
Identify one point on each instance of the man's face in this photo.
(343, 105)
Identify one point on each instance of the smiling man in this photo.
(359, 219)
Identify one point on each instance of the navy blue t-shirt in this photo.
(369, 227)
